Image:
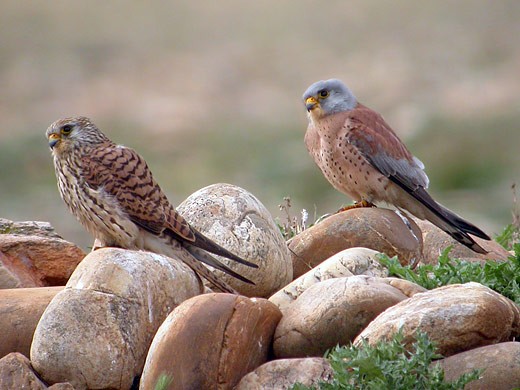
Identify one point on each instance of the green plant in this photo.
(502, 277)
(511, 234)
(163, 382)
(389, 365)
(508, 236)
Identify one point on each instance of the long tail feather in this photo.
(206, 258)
(195, 264)
(451, 223)
(205, 243)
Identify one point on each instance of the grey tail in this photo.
(447, 220)
(459, 228)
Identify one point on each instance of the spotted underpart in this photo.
(111, 191)
(361, 156)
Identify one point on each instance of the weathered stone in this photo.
(361, 261)
(16, 276)
(435, 241)
(332, 312)
(406, 287)
(20, 311)
(379, 229)
(96, 332)
(36, 261)
(61, 386)
(238, 221)
(28, 228)
(353, 261)
(500, 364)
(210, 342)
(457, 318)
(284, 373)
(16, 373)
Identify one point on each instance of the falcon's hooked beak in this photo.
(311, 103)
(53, 139)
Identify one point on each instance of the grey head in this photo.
(330, 96)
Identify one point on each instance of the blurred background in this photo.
(211, 92)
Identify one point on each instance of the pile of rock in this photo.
(127, 318)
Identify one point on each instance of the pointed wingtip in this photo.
(465, 239)
(477, 248)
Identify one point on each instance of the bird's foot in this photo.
(356, 205)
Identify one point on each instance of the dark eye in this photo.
(323, 93)
(66, 129)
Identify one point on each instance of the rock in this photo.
(33, 255)
(435, 241)
(20, 311)
(16, 373)
(379, 229)
(61, 386)
(284, 373)
(353, 261)
(457, 318)
(97, 331)
(500, 364)
(238, 221)
(28, 228)
(406, 287)
(361, 261)
(332, 312)
(211, 341)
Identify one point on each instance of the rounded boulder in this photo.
(332, 312)
(210, 342)
(379, 229)
(284, 373)
(436, 241)
(500, 365)
(97, 331)
(457, 318)
(20, 311)
(350, 262)
(238, 221)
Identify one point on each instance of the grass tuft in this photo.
(389, 365)
(502, 277)
(293, 225)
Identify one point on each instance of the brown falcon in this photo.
(111, 191)
(361, 156)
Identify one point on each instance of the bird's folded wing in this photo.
(123, 174)
(377, 142)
